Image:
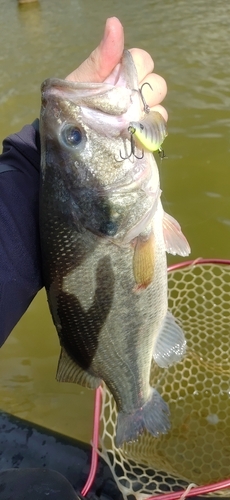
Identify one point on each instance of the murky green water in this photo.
(190, 44)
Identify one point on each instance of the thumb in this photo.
(104, 58)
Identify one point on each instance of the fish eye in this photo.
(72, 135)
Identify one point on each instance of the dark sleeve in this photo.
(20, 258)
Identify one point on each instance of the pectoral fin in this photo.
(69, 371)
(170, 345)
(175, 241)
(143, 262)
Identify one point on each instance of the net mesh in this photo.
(197, 448)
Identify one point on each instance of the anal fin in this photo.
(69, 371)
(170, 345)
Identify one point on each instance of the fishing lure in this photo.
(149, 133)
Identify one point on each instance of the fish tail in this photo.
(152, 416)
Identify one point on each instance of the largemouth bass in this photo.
(104, 238)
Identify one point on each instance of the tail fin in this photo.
(152, 416)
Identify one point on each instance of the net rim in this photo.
(200, 260)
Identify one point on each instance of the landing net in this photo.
(197, 448)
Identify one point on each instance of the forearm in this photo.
(20, 259)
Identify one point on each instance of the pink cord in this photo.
(95, 440)
(199, 490)
(194, 262)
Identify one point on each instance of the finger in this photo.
(160, 110)
(158, 92)
(143, 62)
(104, 58)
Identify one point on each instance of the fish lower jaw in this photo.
(131, 181)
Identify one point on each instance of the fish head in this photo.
(86, 143)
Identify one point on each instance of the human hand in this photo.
(107, 55)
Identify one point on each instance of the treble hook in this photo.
(146, 106)
(132, 150)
